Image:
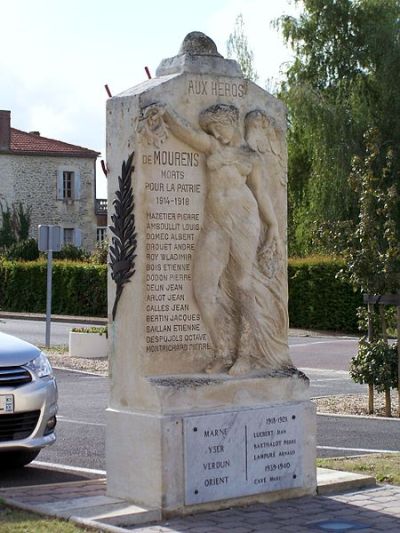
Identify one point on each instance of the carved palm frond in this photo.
(123, 242)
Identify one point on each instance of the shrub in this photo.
(101, 330)
(78, 288)
(375, 364)
(99, 255)
(72, 253)
(23, 251)
(318, 299)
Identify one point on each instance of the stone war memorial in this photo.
(206, 408)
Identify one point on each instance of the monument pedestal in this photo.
(197, 165)
(214, 442)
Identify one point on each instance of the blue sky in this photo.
(57, 55)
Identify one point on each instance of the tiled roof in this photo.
(32, 143)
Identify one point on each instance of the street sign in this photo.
(49, 241)
(49, 238)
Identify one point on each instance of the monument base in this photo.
(215, 442)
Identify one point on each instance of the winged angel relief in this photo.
(238, 276)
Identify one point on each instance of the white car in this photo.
(28, 402)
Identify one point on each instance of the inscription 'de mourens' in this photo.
(231, 455)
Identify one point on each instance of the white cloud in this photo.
(62, 54)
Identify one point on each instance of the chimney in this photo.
(37, 133)
(5, 132)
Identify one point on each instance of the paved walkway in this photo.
(372, 509)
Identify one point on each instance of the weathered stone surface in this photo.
(201, 328)
(32, 180)
(198, 54)
(245, 452)
(210, 289)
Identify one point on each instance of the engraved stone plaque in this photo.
(245, 452)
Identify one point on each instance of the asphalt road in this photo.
(83, 400)
(34, 331)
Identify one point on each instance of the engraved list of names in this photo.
(241, 453)
(174, 198)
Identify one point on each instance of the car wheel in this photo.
(17, 459)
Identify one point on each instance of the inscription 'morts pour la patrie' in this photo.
(237, 454)
(172, 185)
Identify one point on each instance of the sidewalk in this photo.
(355, 504)
(55, 318)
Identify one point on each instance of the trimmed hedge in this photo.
(78, 288)
(317, 299)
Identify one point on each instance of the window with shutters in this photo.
(68, 236)
(101, 233)
(72, 236)
(68, 184)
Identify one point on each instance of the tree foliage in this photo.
(375, 364)
(238, 48)
(16, 222)
(344, 80)
(373, 253)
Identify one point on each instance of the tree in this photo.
(343, 81)
(238, 48)
(373, 253)
(373, 260)
(7, 237)
(16, 222)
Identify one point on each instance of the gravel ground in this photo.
(356, 404)
(351, 404)
(61, 359)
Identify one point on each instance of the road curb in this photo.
(54, 318)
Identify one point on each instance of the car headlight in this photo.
(40, 366)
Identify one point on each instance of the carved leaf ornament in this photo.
(123, 242)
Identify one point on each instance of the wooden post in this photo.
(383, 322)
(398, 357)
(370, 338)
(388, 400)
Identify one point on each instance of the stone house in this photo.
(55, 179)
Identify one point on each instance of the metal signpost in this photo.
(49, 241)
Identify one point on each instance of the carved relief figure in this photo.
(239, 298)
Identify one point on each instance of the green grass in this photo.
(59, 348)
(15, 521)
(384, 467)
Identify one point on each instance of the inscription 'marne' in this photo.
(216, 432)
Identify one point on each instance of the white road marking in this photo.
(68, 468)
(321, 342)
(327, 379)
(83, 422)
(309, 370)
(363, 450)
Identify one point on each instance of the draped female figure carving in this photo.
(240, 300)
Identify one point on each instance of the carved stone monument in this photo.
(206, 409)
